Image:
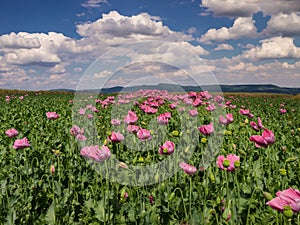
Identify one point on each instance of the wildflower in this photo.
(89, 116)
(144, 134)
(257, 126)
(188, 169)
(116, 137)
(52, 169)
(207, 129)
(131, 117)
(193, 112)
(132, 128)
(151, 199)
(52, 115)
(227, 120)
(94, 153)
(167, 148)
(267, 138)
(285, 200)
(163, 119)
(21, 143)
(75, 130)
(11, 132)
(81, 137)
(229, 163)
(81, 111)
(115, 122)
(282, 111)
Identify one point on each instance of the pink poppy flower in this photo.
(167, 114)
(75, 130)
(228, 163)
(187, 168)
(131, 117)
(250, 115)
(81, 111)
(52, 169)
(94, 153)
(81, 137)
(52, 115)
(205, 95)
(90, 106)
(11, 132)
(211, 107)
(162, 119)
(286, 198)
(257, 126)
(89, 116)
(219, 99)
(267, 138)
(197, 102)
(167, 148)
(21, 143)
(228, 103)
(132, 129)
(150, 110)
(268, 135)
(227, 120)
(181, 109)
(173, 105)
(94, 109)
(192, 94)
(244, 111)
(144, 134)
(115, 122)
(151, 199)
(116, 137)
(207, 129)
(282, 111)
(193, 112)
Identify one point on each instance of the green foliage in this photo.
(77, 194)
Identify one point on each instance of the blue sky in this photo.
(54, 43)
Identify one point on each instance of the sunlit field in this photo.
(232, 158)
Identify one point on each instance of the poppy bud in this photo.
(292, 159)
(203, 140)
(52, 169)
(237, 163)
(212, 177)
(268, 196)
(287, 211)
(226, 163)
(171, 197)
(282, 172)
(175, 133)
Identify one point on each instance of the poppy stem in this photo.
(190, 197)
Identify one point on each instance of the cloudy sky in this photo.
(52, 43)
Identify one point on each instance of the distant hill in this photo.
(251, 88)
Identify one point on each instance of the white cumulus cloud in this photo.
(21, 40)
(274, 48)
(246, 8)
(93, 3)
(115, 28)
(284, 24)
(223, 47)
(241, 28)
(231, 8)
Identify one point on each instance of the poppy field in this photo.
(149, 157)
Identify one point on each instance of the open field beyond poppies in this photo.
(149, 157)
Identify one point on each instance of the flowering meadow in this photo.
(149, 157)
